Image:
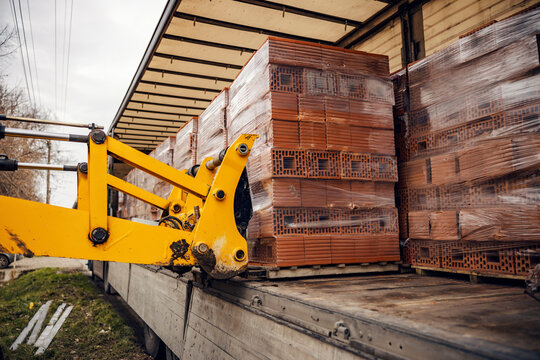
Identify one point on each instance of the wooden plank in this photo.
(119, 277)
(386, 42)
(445, 21)
(47, 341)
(294, 272)
(203, 52)
(466, 272)
(159, 298)
(209, 32)
(39, 316)
(167, 90)
(98, 269)
(130, 120)
(156, 76)
(193, 67)
(349, 9)
(156, 116)
(264, 18)
(49, 329)
(188, 108)
(44, 309)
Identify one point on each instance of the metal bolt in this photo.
(220, 194)
(98, 136)
(202, 248)
(83, 167)
(243, 149)
(176, 208)
(239, 255)
(99, 235)
(192, 171)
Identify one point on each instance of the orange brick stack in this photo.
(467, 134)
(212, 128)
(322, 172)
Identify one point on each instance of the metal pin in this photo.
(49, 122)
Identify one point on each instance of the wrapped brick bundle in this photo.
(130, 207)
(134, 208)
(467, 138)
(322, 172)
(185, 147)
(212, 130)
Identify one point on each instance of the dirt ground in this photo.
(15, 269)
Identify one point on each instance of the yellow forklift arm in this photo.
(200, 227)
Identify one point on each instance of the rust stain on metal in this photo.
(179, 249)
(207, 260)
(20, 244)
(3, 249)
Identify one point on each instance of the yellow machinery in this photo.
(205, 215)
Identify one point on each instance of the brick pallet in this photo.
(467, 139)
(322, 173)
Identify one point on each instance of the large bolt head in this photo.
(98, 136)
(219, 194)
(200, 248)
(83, 167)
(243, 149)
(99, 235)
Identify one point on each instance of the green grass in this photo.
(93, 330)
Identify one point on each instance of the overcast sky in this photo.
(108, 40)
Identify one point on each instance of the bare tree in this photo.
(21, 183)
(7, 46)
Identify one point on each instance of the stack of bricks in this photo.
(212, 128)
(185, 148)
(323, 170)
(468, 144)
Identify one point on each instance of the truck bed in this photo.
(370, 316)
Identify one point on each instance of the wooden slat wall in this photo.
(386, 42)
(445, 21)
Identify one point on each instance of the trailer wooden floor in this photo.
(488, 319)
(390, 316)
(497, 313)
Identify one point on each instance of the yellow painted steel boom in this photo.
(202, 228)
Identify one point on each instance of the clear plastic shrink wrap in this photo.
(322, 172)
(129, 207)
(185, 148)
(212, 130)
(468, 144)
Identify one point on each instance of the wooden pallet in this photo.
(271, 272)
(474, 276)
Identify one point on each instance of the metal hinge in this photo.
(341, 331)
